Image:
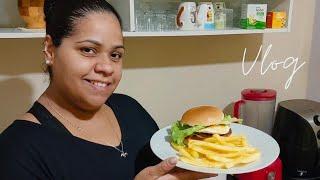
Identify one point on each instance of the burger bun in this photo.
(202, 115)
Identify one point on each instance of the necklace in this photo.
(123, 154)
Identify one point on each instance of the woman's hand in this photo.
(166, 171)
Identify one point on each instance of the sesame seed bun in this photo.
(202, 115)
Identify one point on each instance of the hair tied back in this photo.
(48, 9)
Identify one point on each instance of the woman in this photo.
(78, 129)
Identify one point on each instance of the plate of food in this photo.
(206, 140)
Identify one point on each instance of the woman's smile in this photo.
(100, 86)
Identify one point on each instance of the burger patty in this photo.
(201, 136)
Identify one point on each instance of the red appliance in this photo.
(271, 172)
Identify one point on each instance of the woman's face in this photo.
(87, 66)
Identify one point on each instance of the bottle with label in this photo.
(220, 17)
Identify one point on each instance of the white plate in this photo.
(269, 148)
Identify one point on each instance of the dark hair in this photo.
(60, 17)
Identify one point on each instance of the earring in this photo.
(44, 49)
(48, 62)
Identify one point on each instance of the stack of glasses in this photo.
(148, 19)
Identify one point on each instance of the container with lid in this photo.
(256, 108)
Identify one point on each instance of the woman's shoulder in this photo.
(24, 140)
(125, 103)
(132, 109)
(24, 135)
(22, 145)
(122, 99)
(29, 117)
(20, 131)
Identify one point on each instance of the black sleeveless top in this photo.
(49, 151)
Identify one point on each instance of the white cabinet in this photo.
(128, 11)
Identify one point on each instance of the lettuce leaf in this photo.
(229, 119)
(180, 131)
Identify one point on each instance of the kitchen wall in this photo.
(169, 75)
(314, 82)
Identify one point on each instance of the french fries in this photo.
(218, 151)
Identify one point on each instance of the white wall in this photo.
(314, 75)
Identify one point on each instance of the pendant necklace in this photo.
(123, 154)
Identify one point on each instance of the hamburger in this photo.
(201, 122)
